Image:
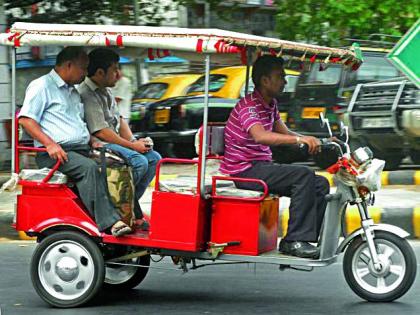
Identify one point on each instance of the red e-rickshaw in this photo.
(209, 219)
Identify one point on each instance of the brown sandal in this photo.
(142, 224)
(120, 229)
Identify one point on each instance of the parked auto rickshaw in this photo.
(208, 221)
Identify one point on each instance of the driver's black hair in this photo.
(70, 53)
(263, 67)
(101, 58)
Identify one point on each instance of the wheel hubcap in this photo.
(66, 270)
(390, 274)
(115, 274)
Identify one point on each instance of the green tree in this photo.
(330, 21)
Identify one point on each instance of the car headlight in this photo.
(138, 106)
(138, 110)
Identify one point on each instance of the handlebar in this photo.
(336, 143)
(327, 143)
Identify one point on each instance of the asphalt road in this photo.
(237, 289)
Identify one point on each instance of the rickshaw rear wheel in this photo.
(67, 269)
(120, 277)
(398, 268)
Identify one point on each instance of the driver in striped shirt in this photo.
(253, 126)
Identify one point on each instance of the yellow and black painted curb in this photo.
(407, 218)
(405, 177)
(388, 178)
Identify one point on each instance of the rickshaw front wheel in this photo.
(123, 277)
(67, 269)
(392, 280)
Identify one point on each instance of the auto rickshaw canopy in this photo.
(157, 42)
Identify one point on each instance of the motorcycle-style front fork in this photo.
(368, 234)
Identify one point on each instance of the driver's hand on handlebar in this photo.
(312, 143)
(56, 152)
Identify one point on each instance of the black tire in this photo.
(133, 275)
(392, 161)
(415, 156)
(386, 242)
(68, 250)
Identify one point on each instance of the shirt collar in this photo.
(92, 85)
(57, 79)
(257, 95)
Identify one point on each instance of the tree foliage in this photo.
(330, 21)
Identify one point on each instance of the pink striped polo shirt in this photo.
(240, 147)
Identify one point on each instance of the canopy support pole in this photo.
(248, 66)
(14, 135)
(205, 131)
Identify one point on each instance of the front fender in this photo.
(83, 225)
(376, 227)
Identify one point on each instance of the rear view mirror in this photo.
(325, 122)
(322, 118)
(344, 131)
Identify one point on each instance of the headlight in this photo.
(362, 155)
(138, 110)
(138, 106)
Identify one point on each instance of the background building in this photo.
(5, 106)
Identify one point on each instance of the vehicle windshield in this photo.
(331, 75)
(375, 68)
(152, 91)
(217, 81)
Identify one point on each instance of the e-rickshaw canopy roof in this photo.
(158, 42)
